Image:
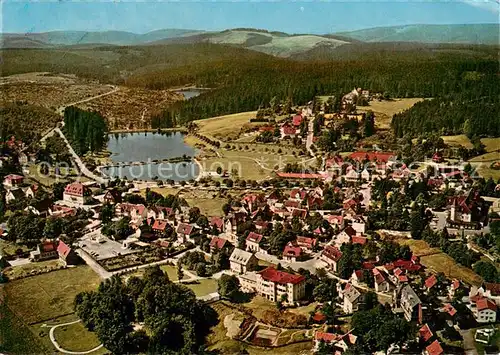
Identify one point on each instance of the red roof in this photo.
(297, 120)
(319, 317)
(292, 204)
(217, 222)
(217, 242)
(292, 251)
(75, 189)
(494, 288)
(379, 278)
(288, 130)
(299, 176)
(184, 228)
(431, 281)
(48, 246)
(306, 242)
(359, 240)
(326, 337)
(298, 212)
(254, 237)
(425, 333)
(301, 193)
(448, 308)
(372, 156)
(455, 284)
(14, 177)
(368, 265)
(403, 278)
(160, 225)
(335, 219)
(332, 253)
(435, 348)
(63, 249)
(281, 277)
(485, 303)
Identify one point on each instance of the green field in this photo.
(47, 296)
(202, 287)
(75, 337)
(27, 269)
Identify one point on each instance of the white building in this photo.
(242, 261)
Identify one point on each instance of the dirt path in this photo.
(64, 351)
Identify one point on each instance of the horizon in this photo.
(257, 29)
(288, 17)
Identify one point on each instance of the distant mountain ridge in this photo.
(487, 33)
(270, 42)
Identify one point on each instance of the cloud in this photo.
(489, 5)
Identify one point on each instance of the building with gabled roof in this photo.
(278, 285)
(253, 241)
(411, 304)
(184, 232)
(75, 193)
(352, 300)
(242, 261)
(331, 256)
(425, 333)
(66, 254)
(292, 253)
(434, 349)
(217, 244)
(485, 311)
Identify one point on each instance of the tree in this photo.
(370, 301)
(194, 214)
(107, 213)
(228, 286)
(325, 291)
(202, 221)
(486, 270)
(180, 272)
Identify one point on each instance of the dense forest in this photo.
(243, 85)
(173, 320)
(474, 112)
(25, 122)
(87, 131)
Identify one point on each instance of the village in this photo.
(336, 234)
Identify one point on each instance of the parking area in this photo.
(101, 247)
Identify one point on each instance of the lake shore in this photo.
(149, 130)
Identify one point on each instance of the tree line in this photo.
(87, 131)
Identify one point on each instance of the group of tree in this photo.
(87, 131)
(175, 322)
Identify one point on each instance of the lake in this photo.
(189, 93)
(146, 147)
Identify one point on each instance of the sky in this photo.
(287, 16)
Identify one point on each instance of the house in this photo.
(13, 180)
(357, 277)
(381, 282)
(430, 282)
(31, 191)
(217, 244)
(287, 130)
(485, 311)
(339, 342)
(297, 120)
(184, 232)
(75, 193)
(453, 287)
(467, 211)
(492, 291)
(217, 223)
(351, 175)
(253, 242)
(437, 157)
(331, 256)
(40, 208)
(336, 221)
(352, 206)
(112, 197)
(253, 201)
(278, 285)
(305, 243)
(358, 223)
(352, 299)
(160, 227)
(242, 261)
(345, 236)
(434, 349)
(67, 255)
(134, 211)
(379, 157)
(425, 334)
(14, 195)
(292, 253)
(44, 251)
(411, 304)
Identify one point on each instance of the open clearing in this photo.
(384, 110)
(224, 126)
(486, 160)
(443, 263)
(202, 287)
(47, 296)
(27, 269)
(459, 140)
(436, 260)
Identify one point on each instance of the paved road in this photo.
(64, 351)
(310, 136)
(469, 347)
(99, 270)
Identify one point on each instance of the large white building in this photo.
(275, 285)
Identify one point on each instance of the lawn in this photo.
(419, 247)
(202, 287)
(493, 155)
(459, 140)
(384, 110)
(253, 165)
(8, 248)
(26, 269)
(15, 336)
(75, 337)
(47, 296)
(208, 206)
(443, 263)
(225, 126)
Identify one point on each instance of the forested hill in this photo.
(475, 111)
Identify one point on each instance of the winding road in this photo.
(79, 163)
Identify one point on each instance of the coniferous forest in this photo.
(87, 131)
